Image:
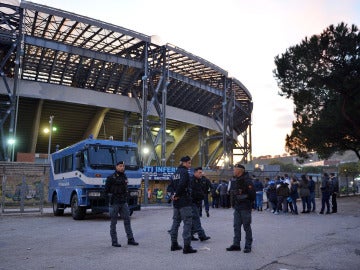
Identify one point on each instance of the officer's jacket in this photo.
(242, 192)
(197, 191)
(180, 184)
(116, 185)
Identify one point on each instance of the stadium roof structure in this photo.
(93, 76)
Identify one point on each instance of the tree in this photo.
(322, 76)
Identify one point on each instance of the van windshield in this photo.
(105, 157)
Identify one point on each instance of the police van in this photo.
(78, 174)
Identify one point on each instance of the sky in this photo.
(240, 36)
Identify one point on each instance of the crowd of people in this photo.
(283, 193)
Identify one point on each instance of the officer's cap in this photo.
(185, 159)
(240, 166)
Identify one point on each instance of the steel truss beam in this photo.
(158, 94)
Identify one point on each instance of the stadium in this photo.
(91, 78)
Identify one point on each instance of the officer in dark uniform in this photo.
(116, 187)
(242, 196)
(181, 197)
(197, 194)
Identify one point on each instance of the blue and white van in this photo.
(78, 174)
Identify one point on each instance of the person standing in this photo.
(273, 196)
(197, 195)
(312, 193)
(116, 188)
(335, 191)
(294, 195)
(282, 192)
(206, 185)
(182, 206)
(149, 195)
(223, 188)
(266, 191)
(214, 195)
(242, 195)
(159, 195)
(259, 188)
(305, 194)
(325, 194)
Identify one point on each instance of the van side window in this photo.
(57, 166)
(67, 163)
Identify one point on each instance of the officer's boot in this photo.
(175, 246)
(132, 242)
(188, 249)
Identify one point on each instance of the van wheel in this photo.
(58, 209)
(77, 212)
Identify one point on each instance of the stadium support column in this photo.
(95, 124)
(228, 122)
(10, 53)
(36, 126)
(231, 109)
(201, 146)
(126, 127)
(144, 105)
(225, 126)
(165, 74)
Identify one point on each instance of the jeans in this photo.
(306, 203)
(282, 204)
(259, 199)
(224, 200)
(215, 202)
(325, 200)
(206, 202)
(312, 200)
(334, 202)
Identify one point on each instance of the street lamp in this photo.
(11, 144)
(226, 161)
(144, 154)
(50, 133)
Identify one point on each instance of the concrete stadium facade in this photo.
(103, 80)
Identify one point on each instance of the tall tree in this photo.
(322, 76)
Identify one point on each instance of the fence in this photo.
(23, 187)
(348, 185)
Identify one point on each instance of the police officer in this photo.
(242, 195)
(197, 194)
(180, 185)
(116, 187)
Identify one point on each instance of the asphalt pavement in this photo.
(307, 241)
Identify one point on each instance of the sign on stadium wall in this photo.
(158, 172)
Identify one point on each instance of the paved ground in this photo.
(306, 241)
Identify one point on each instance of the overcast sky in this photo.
(241, 36)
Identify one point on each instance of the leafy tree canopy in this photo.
(322, 77)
